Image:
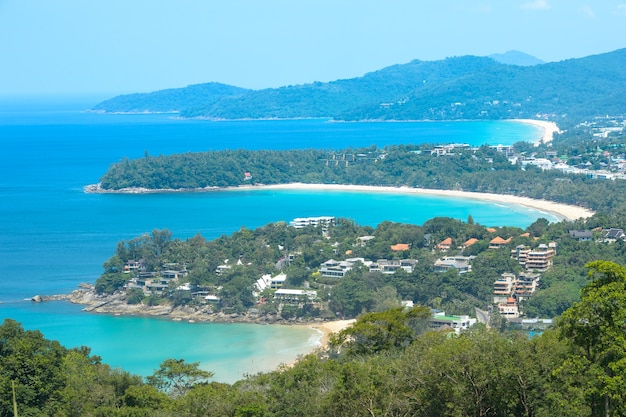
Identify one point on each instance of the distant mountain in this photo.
(170, 100)
(466, 87)
(516, 58)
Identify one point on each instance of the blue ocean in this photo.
(53, 236)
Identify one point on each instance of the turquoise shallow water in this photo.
(53, 236)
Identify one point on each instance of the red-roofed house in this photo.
(400, 247)
(445, 244)
(497, 242)
(470, 242)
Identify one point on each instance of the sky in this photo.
(111, 47)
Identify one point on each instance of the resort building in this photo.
(445, 244)
(497, 242)
(302, 222)
(337, 269)
(521, 254)
(134, 266)
(391, 266)
(520, 287)
(509, 309)
(469, 242)
(399, 247)
(507, 150)
(460, 263)
(439, 321)
(278, 281)
(362, 240)
(261, 284)
(540, 259)
(289, 295)
(503, 288)
(581, 235)
(526, 285)
(613, 234)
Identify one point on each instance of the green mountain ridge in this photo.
(516, 58)
(466, 87)
(172, 100)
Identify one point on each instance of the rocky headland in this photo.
(116, 304)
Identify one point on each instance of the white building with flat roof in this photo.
(302, 222)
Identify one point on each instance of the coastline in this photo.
(564, 211)
(328, 328)
(115, 305)
(560, 210)
(549, 128)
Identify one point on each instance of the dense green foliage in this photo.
(465, 87)
(171, 100)
(386, 364)
(481, 170)
(264, 251)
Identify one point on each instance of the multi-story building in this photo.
(526, 285)
(503, 288)
(302, 222)
(540, 259)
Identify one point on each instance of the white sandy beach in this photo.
(331, 327)
(549, 128)
(565, 211)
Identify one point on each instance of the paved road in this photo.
(482, 316)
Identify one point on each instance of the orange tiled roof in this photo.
(470, 242)
(499, 241)
(400, 247)
(491, 230)
(446, 242)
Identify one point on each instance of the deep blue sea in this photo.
(54, 236)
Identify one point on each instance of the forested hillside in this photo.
(401, 165)
(229, 267)
(386, 364)
(172, 100)
(465, 87)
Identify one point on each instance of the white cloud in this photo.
(536, 5)
(588, 11)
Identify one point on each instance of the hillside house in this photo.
(509, 309)
(445, 244)
(440, 321)
(498, 242)
(337, 269)
(134, 266)
(278, 281)
(469, 242)
(400, 247)
(581, 235)
(298, 296)
(613, 234)
(459, 263)
(391, 266)
(363, 240)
